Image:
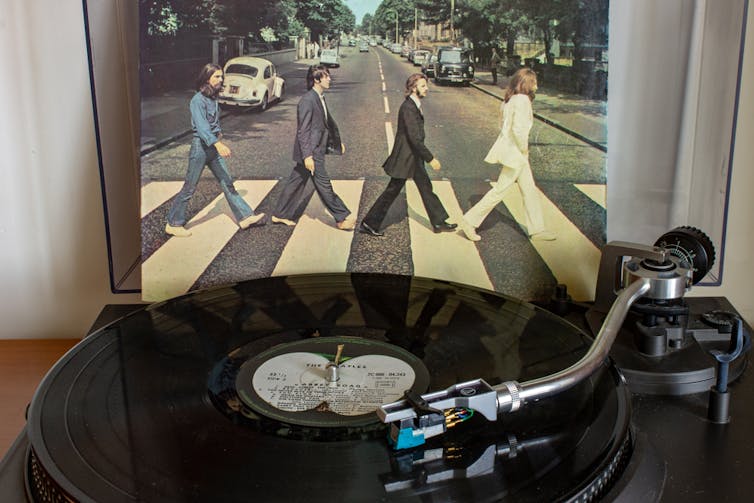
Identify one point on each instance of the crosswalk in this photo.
(173, 266)
(467, 267)
(180, 261)
(316, 245)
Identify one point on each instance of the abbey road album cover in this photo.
(300, 136)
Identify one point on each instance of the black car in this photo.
(428, 67)
(454, 64)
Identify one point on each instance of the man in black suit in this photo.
(407, 161)
(316, 135)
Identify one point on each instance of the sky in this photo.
(361, 7)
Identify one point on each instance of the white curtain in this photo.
(674, 68)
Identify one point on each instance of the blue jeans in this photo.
(200, 156)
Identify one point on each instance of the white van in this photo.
(329, 57)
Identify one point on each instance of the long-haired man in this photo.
(207, 149)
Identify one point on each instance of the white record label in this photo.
(295, 382)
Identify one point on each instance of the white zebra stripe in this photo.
(447, 255)
(572, 258)
(154, 194)
(316, 245)
(171, 270)
(597, 192)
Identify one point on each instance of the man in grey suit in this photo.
(316, 135)
(407, 161)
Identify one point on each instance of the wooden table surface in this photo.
(23, 364)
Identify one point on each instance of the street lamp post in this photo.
(416, 25)
(396, 22)
(452, 33)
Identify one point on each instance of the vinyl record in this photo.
(228, 395)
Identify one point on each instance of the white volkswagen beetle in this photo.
(250, 82)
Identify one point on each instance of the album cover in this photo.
(226, 194)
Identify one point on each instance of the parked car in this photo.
(404, 51)
(419, 56)
(329, 58)
(428, 67)
(251, 82)
(396, 48)
(454, 64)
(363, 47)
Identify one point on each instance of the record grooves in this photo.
(230, 395)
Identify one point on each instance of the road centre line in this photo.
(390, 136)
(387, 107)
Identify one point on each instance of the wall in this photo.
(54, 273)
(54, 276)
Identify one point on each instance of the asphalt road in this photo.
(367, 89)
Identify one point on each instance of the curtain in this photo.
(673, 84)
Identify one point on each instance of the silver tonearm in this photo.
(652, 273)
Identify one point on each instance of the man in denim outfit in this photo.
(207, 149)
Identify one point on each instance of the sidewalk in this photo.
(164, 118)
(582, 118)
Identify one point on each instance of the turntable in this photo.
(371, 387)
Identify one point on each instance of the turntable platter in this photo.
(224, 395)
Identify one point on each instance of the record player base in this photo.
(702, 461)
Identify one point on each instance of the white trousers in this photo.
(508, 176)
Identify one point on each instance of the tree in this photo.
(551, 19)
(489, 23)
(486, 23)
(344, 20)
(172, 29)
(172, 17)
(435, 12)
(282, 17)
(384, 16)
(326, 18)
(367, 24)
(587, 26)
(240, 17)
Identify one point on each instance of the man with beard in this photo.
(207, 149)
(407, 160)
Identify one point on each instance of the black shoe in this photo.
(444, 227)
(366, 229)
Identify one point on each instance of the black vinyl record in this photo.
(204, 398)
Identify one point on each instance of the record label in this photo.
(296, 382)
(328, 381)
